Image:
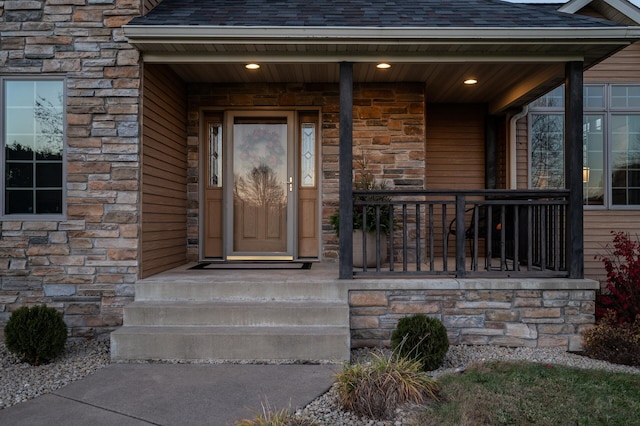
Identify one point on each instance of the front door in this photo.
(259, 186)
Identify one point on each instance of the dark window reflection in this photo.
(49, 202)
(18, 202)
(49, 175)
(19, 175)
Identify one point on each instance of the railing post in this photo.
(460, 231)
(345, 250)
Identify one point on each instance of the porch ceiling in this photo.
(502, 85)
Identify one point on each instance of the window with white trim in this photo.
(32, 142)
(611, 144)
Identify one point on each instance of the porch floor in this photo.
(328, 272)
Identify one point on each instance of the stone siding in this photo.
(523, 316)
(86, 264)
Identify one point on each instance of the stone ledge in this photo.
(556, 284)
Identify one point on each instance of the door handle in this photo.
(290, 183)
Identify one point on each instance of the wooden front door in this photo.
(261, 186)
(261, 192)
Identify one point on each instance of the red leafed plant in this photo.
(622, 292)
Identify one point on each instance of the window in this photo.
(611, 144)
(32, 147)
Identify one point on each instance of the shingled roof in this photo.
(363, 13)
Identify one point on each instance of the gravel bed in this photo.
(20, 381)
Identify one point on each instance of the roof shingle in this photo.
(363, 13)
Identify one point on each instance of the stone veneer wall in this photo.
(388, 128)
(86, 264)
(528, 313)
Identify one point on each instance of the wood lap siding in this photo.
(623, 67)
(598, 225)
(455, 146)
(454, 153)
(164, 177)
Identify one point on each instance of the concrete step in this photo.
(302, 343)
(237, 313)
(197, 290)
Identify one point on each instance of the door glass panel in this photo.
(260, 186)
(215, 154)
(308, 155)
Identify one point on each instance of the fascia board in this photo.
(626, 8)
(573, 6)
(209, 34)
(280, 58)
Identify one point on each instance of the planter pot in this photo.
(371, 249)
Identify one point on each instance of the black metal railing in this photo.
(477, 233)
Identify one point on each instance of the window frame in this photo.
(25, 217)
(607, 111)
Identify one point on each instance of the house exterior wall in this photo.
(623, 67)
(388, 129)
(86, 263)
(163, 233)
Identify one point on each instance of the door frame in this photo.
(223, 113)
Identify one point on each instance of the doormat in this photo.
(252, 265)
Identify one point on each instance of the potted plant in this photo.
(366, 182)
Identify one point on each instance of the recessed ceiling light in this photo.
(383, 66)
(252, 66)
(471, 81)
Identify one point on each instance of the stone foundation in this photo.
(527, 313)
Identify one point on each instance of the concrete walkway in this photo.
(174, 394)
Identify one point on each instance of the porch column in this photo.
(345, 248)
(573, 167)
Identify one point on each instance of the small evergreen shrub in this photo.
(377, 388)
(35, 335)
(614, 342)
(421, 338)
(622, 292)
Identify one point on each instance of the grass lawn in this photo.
(519, 393)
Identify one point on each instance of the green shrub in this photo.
(421, 338)
(612, 341)
(36, 335)
(375, 389)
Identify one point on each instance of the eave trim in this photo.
(208, 34)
